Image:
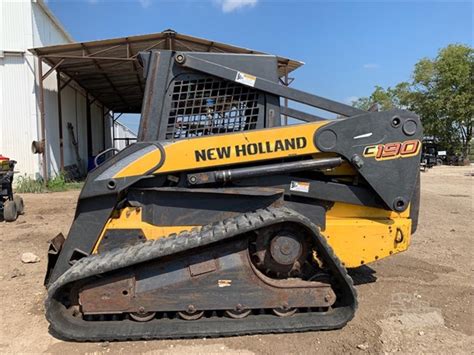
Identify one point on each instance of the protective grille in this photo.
(210, 106)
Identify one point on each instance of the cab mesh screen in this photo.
(210, 106)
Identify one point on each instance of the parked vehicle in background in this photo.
(10, 205)
(429, 154)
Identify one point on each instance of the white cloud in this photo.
(145, 3)
(233, 5)
(371, 66)
(349, 100)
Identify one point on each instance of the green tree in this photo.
(441, 91)
(385, 99)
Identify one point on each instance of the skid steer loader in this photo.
(220, 221)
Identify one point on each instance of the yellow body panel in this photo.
(359, 241)
(361, 234)
(180, 155)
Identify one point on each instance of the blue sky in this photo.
(348, 46)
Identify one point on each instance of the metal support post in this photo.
(113, 130)
(42, 120)
(89, 126)
(285, 100)
(60, 123)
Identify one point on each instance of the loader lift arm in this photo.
(191, 61)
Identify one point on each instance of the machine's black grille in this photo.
(210, 106)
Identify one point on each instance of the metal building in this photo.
(26, 24)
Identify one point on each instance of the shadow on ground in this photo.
(362, 275)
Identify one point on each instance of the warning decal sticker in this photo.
(245, 79)
(299, 186)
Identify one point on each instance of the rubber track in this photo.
(66, 326)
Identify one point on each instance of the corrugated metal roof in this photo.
(108, 69)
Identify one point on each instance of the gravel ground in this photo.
(417, 302)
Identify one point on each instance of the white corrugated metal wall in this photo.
(18, 124)
(18, 128)
(26, 24)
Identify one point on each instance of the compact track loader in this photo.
(220, 221)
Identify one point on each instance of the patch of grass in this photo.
(58, 183)
(26, 184)
(74, 185)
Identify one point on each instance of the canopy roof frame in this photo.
(109, 72)
(113, 64)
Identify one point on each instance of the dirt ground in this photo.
(419, 301)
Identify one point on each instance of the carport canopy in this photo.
(109, 70)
